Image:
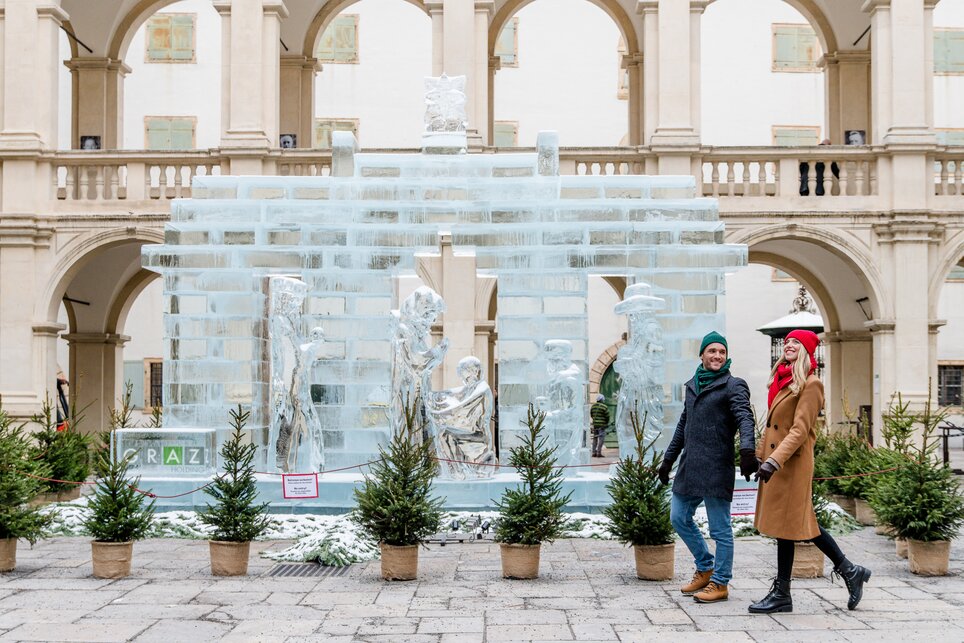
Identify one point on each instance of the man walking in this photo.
(599, 414)
(717, 406)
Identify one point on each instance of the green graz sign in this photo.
(166, 452)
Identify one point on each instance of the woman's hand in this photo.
(765, 473)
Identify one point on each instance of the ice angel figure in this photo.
(445, 104)
(564, 415)
(413, 356)
(460, 418)
(639, 365)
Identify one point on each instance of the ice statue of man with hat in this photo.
(639, 365)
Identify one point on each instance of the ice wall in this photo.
(347, 235)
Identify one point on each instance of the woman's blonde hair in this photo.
(801, 371)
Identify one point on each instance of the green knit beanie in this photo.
(713, 338)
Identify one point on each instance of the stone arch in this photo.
(952, 253)
(810, 10)
(123, 33)
(326, 14)
(117, 315)
(599, 367)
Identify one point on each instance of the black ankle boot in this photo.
(778, 600)
(854, 576)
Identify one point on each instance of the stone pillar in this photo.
(96, 374)
(464, 46)
(97, 100)
(479, 117)
(298, 97)
(650, 71)
(851, 373)
(847, 82)
(495, 64)
(884, 374)
(458, 322)
(434, 8)
(633, 64)
(250, 32)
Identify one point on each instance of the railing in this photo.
(603, 161)
(305, 163)
(948, 167)
(128, 176)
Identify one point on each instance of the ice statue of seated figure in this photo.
(460, 419)
(563, 408)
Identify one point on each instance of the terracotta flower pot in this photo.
(69, 494)
(883, 529)
(901, 547)
(846, 503)
(807, 561)
(399, 562)
(111, 560)
(655, 562)
(229, 558)
(520, 561)
(928, 558)
(8, 554)
(865, 514)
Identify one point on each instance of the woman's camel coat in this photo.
(784, 506)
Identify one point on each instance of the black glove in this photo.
(766, 472)
(748, 463)
(664, 471)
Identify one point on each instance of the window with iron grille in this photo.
(950, 378)
(155, 382)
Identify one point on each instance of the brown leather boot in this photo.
(712, 593)
(700, 580)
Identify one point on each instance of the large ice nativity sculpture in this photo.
(639, 365)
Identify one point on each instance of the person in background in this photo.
(717, 407)
(599, 414)
(784, 504)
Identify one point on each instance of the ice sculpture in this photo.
(639, 365)
(564, 414)
(445, 118)
(294, 424)
(413, 356)
(460, 419)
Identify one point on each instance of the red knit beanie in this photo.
(809, 340)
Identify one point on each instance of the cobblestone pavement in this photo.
(587, 592)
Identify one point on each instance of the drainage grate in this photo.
(302, 570)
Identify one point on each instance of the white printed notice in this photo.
(744, 502)
(299, 485)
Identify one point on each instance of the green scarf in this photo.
(704, 376)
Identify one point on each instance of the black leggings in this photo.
(824, 543)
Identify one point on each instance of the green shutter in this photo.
(794, 137)
(949, 51)
(182, 134)
(339, 42)
(505, 135)
(322, 133)
(158, 134)
(182, 37)
(505, 44)
(158, 38)
(170, 37)
(795, 48)
(170, 133)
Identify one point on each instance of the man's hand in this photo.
(748, 463)
(664, 471)
(766, 472)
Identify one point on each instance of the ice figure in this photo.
(563, 407)
(445, 119)
(293, 419)
(413, 356)
(460, 420)
(640, 368)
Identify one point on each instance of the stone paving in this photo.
(587, 592)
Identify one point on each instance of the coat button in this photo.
(768, 425)
(773, 446)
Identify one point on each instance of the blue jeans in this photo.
(718, 514)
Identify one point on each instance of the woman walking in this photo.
(784, 507)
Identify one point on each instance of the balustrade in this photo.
(948, 172)
(128, 176)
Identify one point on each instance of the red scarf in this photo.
(782, 379)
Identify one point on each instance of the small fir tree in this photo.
(235, 516)
(532, 513)
(395, 505)
(65, 452)
(117, 511)
(639, 513)
(17, 486)
(922, 499)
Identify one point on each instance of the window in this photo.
(325, 126)
(507, 45)
(339, 42)
(170, 38)
(795, 48)
(949, 383)
(506, 134)
(948, 51)
(622, 87)
(169, 132)
(795, 135)
(153, 382)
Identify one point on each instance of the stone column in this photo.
(495, 64)
(650, 71)
(847, 81)
(97, 100)
(461, 55)
(458, 322)
(298, 97)
(851, 373)
(884, 375)
(250, 33)
(633, 64)
(96, 374)
(434, 8)
(479, 117)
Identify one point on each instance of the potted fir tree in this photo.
(118, 514)
(395, 505)
(807, 558)
(639, 513)
(532, 513)
(17, 487)
(66, 452)
(832, 455)
(235, 516)
(922, 502)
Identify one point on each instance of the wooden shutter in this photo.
(159, 38)
(949, 51)
(158, 133)
(182, 37)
